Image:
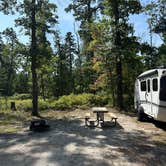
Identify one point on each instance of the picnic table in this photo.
(100, 111)
(100, 117)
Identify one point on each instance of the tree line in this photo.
(103, 57)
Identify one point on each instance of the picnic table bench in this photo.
(89, 121)
(113, 117)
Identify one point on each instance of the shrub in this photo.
(98, 100)
(71, 101)
(24, 104)
(27, 104)
(22, 96)
(84, 100)
(43, 104)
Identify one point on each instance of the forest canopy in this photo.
(102, 58)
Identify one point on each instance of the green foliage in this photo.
(116, 50)
(68, 102)
(72, 101)
(66, 52)
(84, 100)
(103, 66)
(86, 13)
(162, 55)
(9, 56)
(99, 100)
(22, 96)
(6, 6)
(156, 11)
(37, 19)
(23, 104)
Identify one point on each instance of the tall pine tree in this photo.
(31, 11)
(119, 11)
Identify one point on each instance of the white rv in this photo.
(150, 94)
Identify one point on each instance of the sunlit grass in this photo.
(16, 121)
(13, 121)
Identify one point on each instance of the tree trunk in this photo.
(43, 86)
(33, 63)
(111, 85)
(71, 83)
(13, 106)
(119, 84)
(118, 57)
(10, 73)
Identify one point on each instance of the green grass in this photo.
(16, 121)
(13, 121)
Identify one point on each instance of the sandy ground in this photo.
(70, 143)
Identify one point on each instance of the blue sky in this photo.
(66, 23)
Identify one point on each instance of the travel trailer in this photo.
(150, 94)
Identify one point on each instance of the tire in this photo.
(140, 114)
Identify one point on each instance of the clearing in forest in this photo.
(70, 143)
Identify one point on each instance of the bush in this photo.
(27, 105)
(84, 100)
(24, 104)
(71, 101)
(98, 100)
(22, 96)
(43, 104)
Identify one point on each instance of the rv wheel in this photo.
(140, 114)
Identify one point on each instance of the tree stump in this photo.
(13, 106)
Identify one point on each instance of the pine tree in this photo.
(156, 12)
(31, 11)
(85, 12)
(70, 51)
(119, 11)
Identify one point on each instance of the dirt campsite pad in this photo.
(70, 143)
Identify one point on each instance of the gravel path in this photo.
(70, 143)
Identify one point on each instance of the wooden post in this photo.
(13, 106)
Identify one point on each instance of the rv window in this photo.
(155, 84)
(163, 88)
(143, 86)
(148, 85)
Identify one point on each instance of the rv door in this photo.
(136, 95)
(148, 97)
(163, 88)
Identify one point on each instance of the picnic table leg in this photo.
(86, 120)
(100, 116)
(97, 116)
(115, 121)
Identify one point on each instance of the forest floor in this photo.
(70, 143)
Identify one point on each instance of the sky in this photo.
(66, 23)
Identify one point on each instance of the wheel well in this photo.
(140, 109)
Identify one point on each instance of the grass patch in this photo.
(11, 122)
(14, 121)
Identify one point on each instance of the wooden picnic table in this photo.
(100, 111)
